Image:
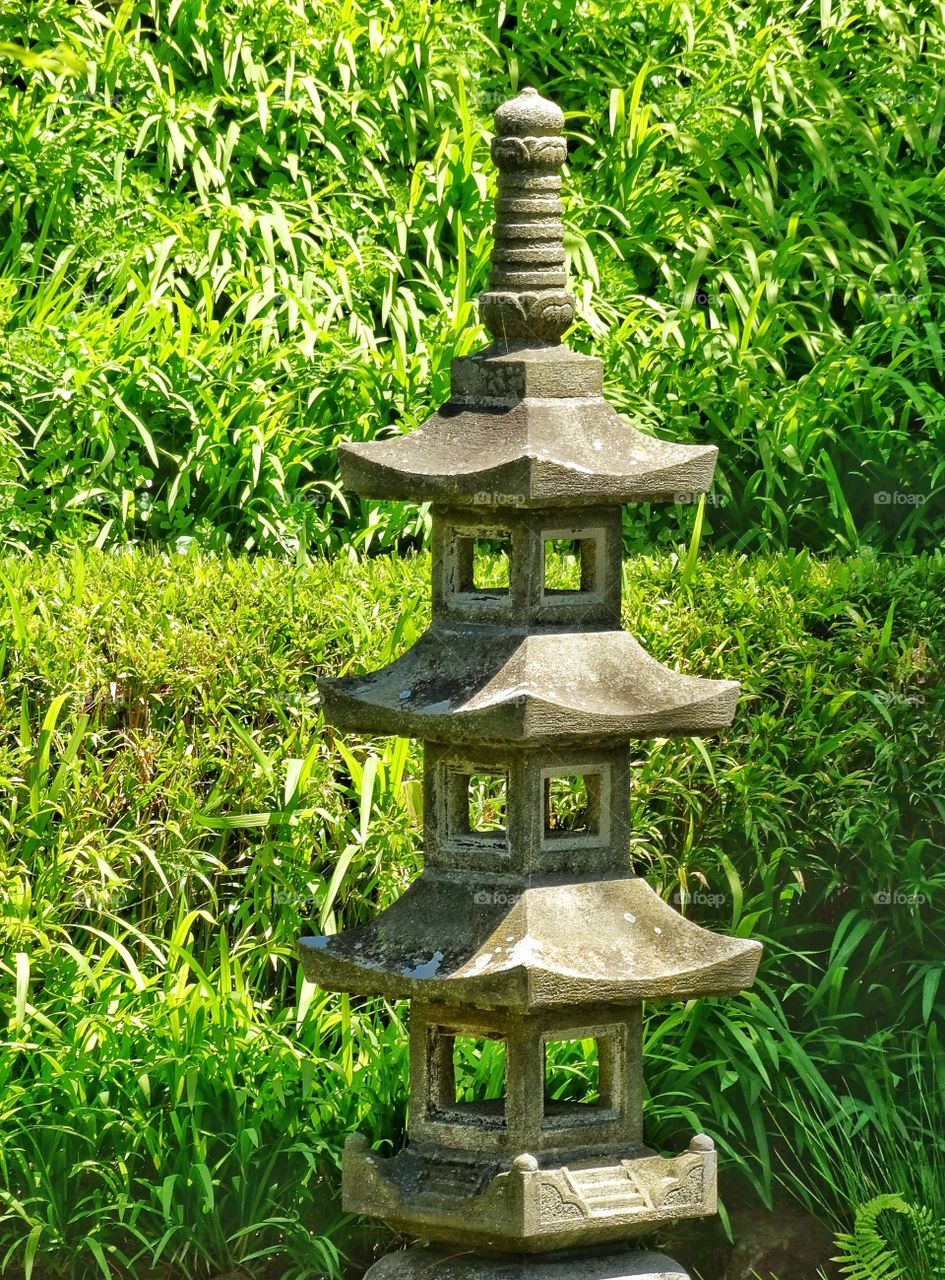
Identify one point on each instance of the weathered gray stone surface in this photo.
(507, 942)
(526, 426)
(453, 686)
(532, 930)
(440, 1264)
(459, 455)
(565, 1200)
(527, 300)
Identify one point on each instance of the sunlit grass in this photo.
(174, 814)
(232, 234)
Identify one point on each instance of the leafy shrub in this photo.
(234, 232)
(175, 814)
(868, 1254)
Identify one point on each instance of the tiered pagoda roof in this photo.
(534, 429)
(454, 686)
(611, 940)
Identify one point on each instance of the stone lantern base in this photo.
(450, 1264)
(529, 1209)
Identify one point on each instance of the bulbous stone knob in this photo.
(701, 1142)
(529, 115)
(525, 1163)
(526, 304)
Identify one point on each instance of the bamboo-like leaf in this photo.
(22, 990)
(692, 555)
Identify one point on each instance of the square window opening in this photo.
(572, 1077)
(486, 803)
(570, 566)
(479, 1072)
(485, 564)
(476, 810)
(572, 805)
(468, 1078)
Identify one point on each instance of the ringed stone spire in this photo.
(527, 301)
(530, 929)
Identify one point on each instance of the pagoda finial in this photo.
(527, 304)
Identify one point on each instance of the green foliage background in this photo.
(234, 232)
(175, 815)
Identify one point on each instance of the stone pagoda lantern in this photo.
(534, 931)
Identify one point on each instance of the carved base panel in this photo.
(526, 1207)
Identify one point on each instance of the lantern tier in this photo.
(530, 943)
(466, 685)
(527, 428)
